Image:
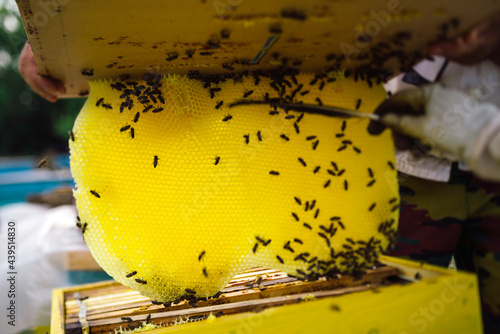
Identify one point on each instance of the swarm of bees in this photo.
(139, 99)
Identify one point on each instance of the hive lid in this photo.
(111, 38)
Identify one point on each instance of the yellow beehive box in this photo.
(400, 297)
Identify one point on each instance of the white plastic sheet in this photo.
(43, 237)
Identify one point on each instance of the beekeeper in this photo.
(450, 198)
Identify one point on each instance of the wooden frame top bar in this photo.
(106, 39)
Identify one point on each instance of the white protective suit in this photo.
(461, 120)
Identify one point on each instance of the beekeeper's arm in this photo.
(447, 120)
(47, 88)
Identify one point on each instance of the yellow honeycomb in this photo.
(176, 191)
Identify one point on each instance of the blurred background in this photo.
(31, 128)
(50, 250)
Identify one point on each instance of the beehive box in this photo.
(399, 296)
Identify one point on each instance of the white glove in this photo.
(448, 120)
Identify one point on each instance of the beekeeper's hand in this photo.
(447, 120)
(478, 44)
(46, 87)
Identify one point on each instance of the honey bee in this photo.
(212, 91)
(247, 93)
(172, 56)
(225, 33)
(87, 72)
(42, 163)
(93, 192)
(285, 137)
(131, 274)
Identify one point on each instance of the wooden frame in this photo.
(75, 41)
(383, 300)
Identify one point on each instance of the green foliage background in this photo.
(28, 123)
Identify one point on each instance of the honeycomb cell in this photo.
(307, 194)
